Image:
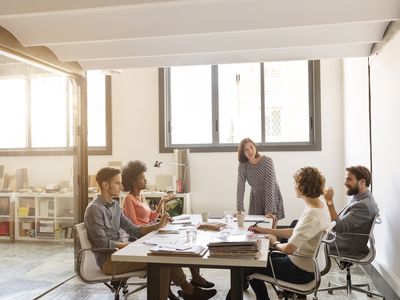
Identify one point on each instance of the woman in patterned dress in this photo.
(258, 170)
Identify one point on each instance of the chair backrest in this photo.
(88, 270)
(367, 259)
(322, 254)
(370, 256)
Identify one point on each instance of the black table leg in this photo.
(237, 283)
(153, 280)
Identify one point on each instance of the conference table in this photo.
(138, 251)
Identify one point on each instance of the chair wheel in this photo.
(330, 292)
(315, 298)
(369, 294)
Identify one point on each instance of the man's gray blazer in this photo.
(356, 217)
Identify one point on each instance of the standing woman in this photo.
(258, 170)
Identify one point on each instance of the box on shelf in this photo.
(5, 228)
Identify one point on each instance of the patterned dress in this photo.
(265, 195)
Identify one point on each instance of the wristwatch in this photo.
(329, 203)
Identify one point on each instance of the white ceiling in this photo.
(114, 34)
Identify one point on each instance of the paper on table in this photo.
(171, 229)
(192, 250)
(181, 217)
(166, 241)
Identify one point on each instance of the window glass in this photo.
(239, 102)
(49, 111)
(286, 93)
(96, 101)
(13, 113)
(212, 108)
(190, 119)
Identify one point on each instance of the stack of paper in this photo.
(234, 246)
(193, 250)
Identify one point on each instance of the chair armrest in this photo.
(339, 257)
(98, 250)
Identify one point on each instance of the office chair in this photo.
(320, 261)
(89, 272)
(347, 262)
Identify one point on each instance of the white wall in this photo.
(356, 111)
(385, 107)
(213, 175)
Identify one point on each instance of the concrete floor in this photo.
(30, 269)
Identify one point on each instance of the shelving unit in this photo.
(44, 217)
(6, 217)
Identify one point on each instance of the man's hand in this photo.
(328, 195)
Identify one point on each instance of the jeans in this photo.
(284, 269)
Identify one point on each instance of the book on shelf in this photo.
(23, 211)
(46, 226)
(193, 250)
(4, 228)
(46, 207)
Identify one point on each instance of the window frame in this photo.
(314, 115)
(52, 151)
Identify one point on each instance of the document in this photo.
(190, 250)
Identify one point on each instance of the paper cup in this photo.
(240, 219)
(204, 217)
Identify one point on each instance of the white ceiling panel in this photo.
(99, 33)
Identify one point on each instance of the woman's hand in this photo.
(272, 239)
(168, 197)
(164, 220)
(273, 217)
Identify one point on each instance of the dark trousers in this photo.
(284, 269)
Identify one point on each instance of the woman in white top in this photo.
(303, 238)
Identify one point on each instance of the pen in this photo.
(256, 223)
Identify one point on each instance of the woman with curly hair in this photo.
(138, 211)
(302, 239)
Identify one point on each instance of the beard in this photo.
(352, 190)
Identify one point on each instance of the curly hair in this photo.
(131, 172)
(310, 182)
(241, 157)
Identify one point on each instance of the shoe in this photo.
(207, 285)
(171, 295)
(199, 294)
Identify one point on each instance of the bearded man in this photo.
(356, 217)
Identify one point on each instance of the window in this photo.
(212, 108)
(36, 114)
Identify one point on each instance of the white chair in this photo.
(347, 262)
(89, 272)
(320, 262)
